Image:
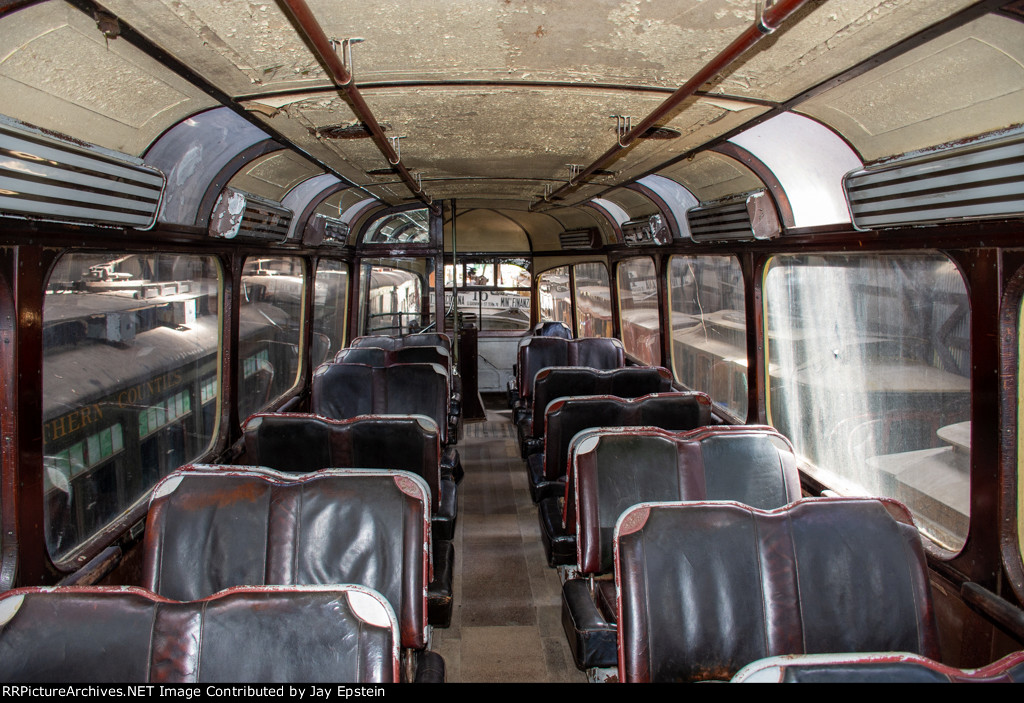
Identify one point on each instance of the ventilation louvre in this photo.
(743, 217)
(47, 178)
(322, 229)
(647, 231)
(578, 239)
(982, 180)
(241, 214)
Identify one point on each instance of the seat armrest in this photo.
(592, 639)
(430, 667)
(439, 591)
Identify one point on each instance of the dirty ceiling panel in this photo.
(508, 133)
(710, 176)
(336, 204)
(658, 42)
(921, 99)
(285, 117)
(514, 192)
(824, 38)
(242, 47)
(577, 218)
(636, 204)
(273, 175)
(59, 72)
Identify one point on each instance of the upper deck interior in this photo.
(289, 176)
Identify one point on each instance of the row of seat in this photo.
(123, 634)
(213, 529)
(706, 588)
(613, 469)
(660, 590)
(390, 415)
(535, 353)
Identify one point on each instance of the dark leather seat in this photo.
(612, 469)
(412, 340)
(549, 328)
(706, 588)
(297, 442)
(211, 528)
(566, 417)
(378, 356)
(371, 356)
(380, 341)
(412, 354)
(536, 353)
(561, 381)
(301, 443)
(881, 667)
(343, 391)
(242, 635)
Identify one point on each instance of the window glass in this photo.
(494, 294)
(553, 287)
(131, 349)
(593, 300)
(638, 310)
(869, 376)
(394, 296)
(409, 227)
(269, 330)
(709, 328)
(330, 309)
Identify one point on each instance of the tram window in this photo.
(709, 328)
(409, 227)
(638, 309)
(494, 294)
(593, 300)
(869, 375)
(553, 287)
(392, 295)
(269, 330)
(330, 309)
(130, 366)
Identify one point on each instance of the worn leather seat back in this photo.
(566, 417)
(880, 667)
(129, 635)
(626, 382)
(376, 340)
(536, 353)
(211, 528)
(428, 339)
(612, 469)
(342, 391)
(371, 356)
(391, 343)
(376, 356)
(300, 443)
(707, 588)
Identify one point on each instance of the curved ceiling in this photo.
(495, 100)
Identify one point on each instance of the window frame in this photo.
(934, 547)
(129, 514)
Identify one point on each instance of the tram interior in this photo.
(216, 216)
